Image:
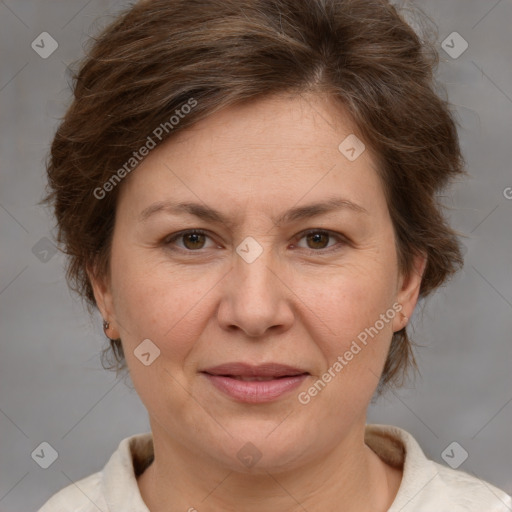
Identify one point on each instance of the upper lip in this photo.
(249, 370)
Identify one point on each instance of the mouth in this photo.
(255, 379)
(255, 383)
(247, 371)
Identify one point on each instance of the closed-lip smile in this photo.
(259, 383)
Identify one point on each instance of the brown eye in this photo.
(321, 241)
(188, 240)
(317, 240)
(194, 240)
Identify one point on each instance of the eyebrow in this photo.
(209, 214)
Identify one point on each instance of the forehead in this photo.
(277, 150)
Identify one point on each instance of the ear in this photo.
(408, 291)
(103, 296)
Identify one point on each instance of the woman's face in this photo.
(254, 289)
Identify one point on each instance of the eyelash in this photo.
(341, 239)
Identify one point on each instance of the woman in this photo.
(246, 190)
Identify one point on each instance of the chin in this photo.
(264, 446)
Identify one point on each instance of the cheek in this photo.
(160, 303)
(352, 326)
(348, 299)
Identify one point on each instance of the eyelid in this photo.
(169, 239)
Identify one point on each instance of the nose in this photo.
(256, 297)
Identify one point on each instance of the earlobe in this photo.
(409, 291)
(103, 296)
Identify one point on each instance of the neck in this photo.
(350, 477)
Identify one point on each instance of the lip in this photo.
(240, 369)
(283, 379)
(255, 391)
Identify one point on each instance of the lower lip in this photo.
(255, 391)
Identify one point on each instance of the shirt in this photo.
(426, 485)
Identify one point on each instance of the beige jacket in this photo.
(426, 486)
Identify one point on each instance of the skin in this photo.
(301, 302)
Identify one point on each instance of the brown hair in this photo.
(159, 54)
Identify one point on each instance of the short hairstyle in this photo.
(158, 55)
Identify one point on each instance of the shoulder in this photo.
(114, 487)
(468, 492)
(428, 486)
(85, 495)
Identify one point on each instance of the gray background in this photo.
(52, 386)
